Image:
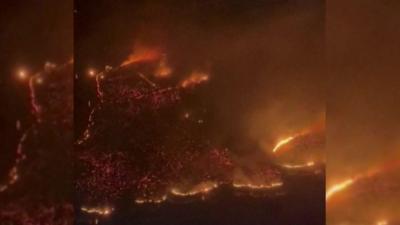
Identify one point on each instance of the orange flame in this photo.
(105, 211)
(338, 188)
(151, 200)
(142, 54)
(163, 70)
(194, 79)
(370, 173)
(282, 143)
(299, 166)
(317, 127)
(257, 186)
(203, 188)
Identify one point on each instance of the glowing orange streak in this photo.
(282, 143)
(194, 79)
(255, 186)
(203, 190)
(338, 188)
(163, 69)
(151, 201)
(319, 126)
(100, 211)
(345, 184)
(308, 164)
(142, 54)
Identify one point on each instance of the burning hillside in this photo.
(148, 144)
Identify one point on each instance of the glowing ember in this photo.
(203, 188)
(338, 188)
(194, 79)
(163, 70)
(315, 130)
(370, 173)
(299, 166)
(13, 177)
(91, 72)
(282, 143)
(151, 200)
(105, 211)
(22, 74)
(257, 186)
(142, 54)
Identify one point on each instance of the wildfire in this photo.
(299, 166)
(370, 173)
(338, 188)
(257, 186)
(282, 143)
(203, 188)
(142, 54)
(194, 79)
(151, 200)
(163, 70)
(105, 211)
(316, 128)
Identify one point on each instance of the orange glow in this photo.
(203, 188)
(22, 74)
(299, 166)
(105, 211)
(151, 200)
(317, 127)
(257, 186)
(369, 173)
(142, 54)
(163, 70)
(194, 79)
(282, 143)
(338, 188)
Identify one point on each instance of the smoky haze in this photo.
(363, 111)
(265, 60)
(363, 96)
